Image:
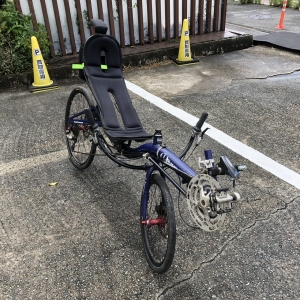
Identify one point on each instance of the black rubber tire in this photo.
(82, 142)
(159, 241)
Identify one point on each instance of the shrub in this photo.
(293, 4)
(276, 2)
(16, 31)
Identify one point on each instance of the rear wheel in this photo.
(79, 140)
(159, 228)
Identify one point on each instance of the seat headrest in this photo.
(102, 45)
(99, 26)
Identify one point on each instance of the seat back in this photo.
(102, 67)
(103, 50)
(99, 27)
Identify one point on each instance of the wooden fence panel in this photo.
(167, 17)
(208, 16)
(150, 21)
(176, 19)
(47, 25)
(216, 15)
(100, 9)
(130, 19)
(158, 21)
(33, 17)
(18, 6)
(223, 15)
(124, 19)
(193, 17)
(59, 28)
(141, 21)
(121, 23)
(90, 14)
(70, 26)
(111, 18)
(184, 9)
(80, 21)
(201, 17)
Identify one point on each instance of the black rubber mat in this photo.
(283, 39)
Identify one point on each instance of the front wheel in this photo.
(159, 227)
(80, 145)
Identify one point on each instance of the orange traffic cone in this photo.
(280, 25)
(42, 81)
(184, 54)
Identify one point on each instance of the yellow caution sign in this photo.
(184, 53)
(42, 81)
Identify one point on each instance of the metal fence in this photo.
(131, 22)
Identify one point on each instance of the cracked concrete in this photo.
(209, 262)
(80, 239)
(294, 73)
(248, 292)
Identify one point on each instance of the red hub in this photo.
(160, 221)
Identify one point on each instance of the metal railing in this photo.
(131, 22)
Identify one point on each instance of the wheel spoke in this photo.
(159, 229)
(78, 136)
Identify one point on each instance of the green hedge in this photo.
(16, 31)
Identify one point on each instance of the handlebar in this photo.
(200, 122)
(197, 129)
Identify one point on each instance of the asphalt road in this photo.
(260, 19)
(80, 239)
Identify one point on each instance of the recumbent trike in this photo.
(113, 126)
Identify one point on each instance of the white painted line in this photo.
(251, 154)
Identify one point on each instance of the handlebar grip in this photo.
(200, 122)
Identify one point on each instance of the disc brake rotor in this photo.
(199, 202)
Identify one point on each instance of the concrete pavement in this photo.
(260, 19)
(80, 239)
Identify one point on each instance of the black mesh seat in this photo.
(102, 68)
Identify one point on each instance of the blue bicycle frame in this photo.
(157, 154)
(207, 201)
(170, 160)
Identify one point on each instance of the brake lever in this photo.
(200, 136)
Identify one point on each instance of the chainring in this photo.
(199, 202)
